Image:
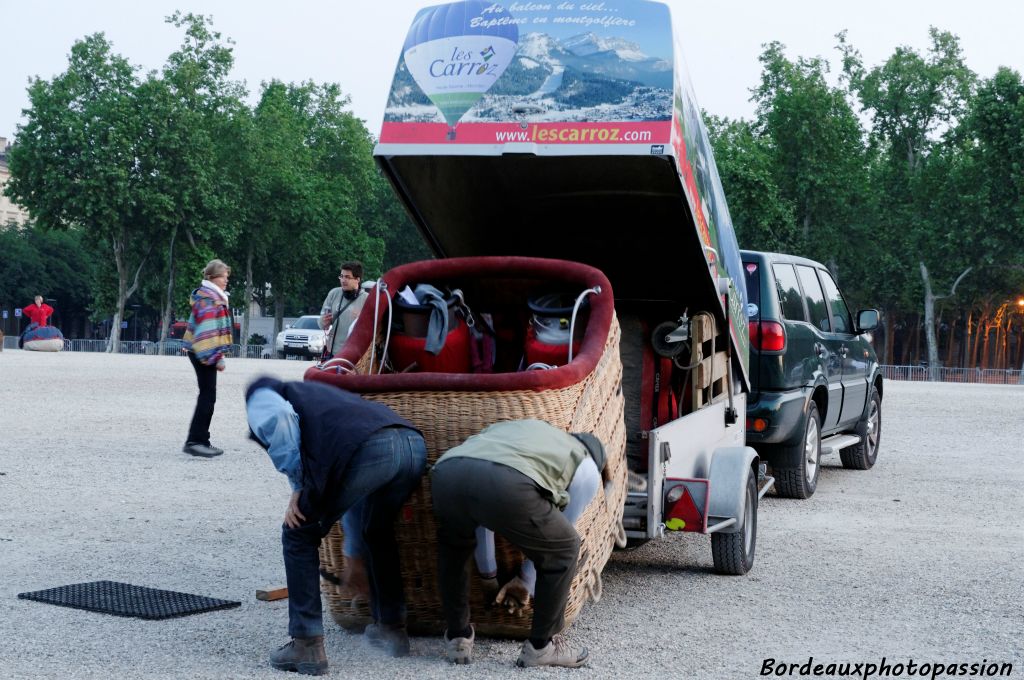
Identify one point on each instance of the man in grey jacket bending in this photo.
(512, 478)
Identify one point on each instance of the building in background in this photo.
(9, 212)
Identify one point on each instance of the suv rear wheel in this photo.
(862, 456)
(800, 480)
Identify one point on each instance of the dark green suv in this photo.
(816, 387)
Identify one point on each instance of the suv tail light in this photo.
(767, 336)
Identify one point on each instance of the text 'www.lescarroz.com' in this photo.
(886, 669)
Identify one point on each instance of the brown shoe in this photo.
(305, 656)
(355, 584)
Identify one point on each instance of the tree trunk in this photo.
(950, 337)
(929, 325)
(114, 341)
(979, 330)
(248, 295)
(985, 347)
(278, 314)
(168, 313)
(890, 341)
(917, 340)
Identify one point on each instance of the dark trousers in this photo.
(380, 476)
(206, 376)
(470, 492)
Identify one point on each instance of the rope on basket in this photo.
(380, 287)
(620, 535)
(595, 587)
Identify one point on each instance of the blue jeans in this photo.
(380, 476)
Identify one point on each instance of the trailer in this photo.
(564, 140)
(571, 131)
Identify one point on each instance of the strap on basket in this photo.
(339, 365)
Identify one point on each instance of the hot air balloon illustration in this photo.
(456, 52)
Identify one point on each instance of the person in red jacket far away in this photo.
(38, 312)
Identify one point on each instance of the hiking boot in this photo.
(559, 652)
(305, 656)
(460, 650)
(201, 450)
(393, 639)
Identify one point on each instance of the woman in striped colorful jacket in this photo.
(208, 337)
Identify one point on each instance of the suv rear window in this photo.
(753, 276)
(815, 298)
(789, 292)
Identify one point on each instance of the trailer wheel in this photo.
(800, 481)
(862, 456)
(734, 553)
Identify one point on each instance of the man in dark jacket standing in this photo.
(337, 450)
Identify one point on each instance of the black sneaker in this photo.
(393, 639)
(201, 450)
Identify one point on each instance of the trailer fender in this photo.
(728, 484)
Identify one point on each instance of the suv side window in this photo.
(789, 292)
(840, 312)
(815, 298)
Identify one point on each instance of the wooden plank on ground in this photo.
(271, 594)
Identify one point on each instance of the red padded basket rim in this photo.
(602, 309)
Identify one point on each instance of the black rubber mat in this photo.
(123, 599)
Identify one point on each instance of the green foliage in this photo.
(763, 219)
(314, 183)
(816, 147)
(58, 265)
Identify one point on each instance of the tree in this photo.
(58, 265)
(746, 165)
(311, 179)
(817, 145)
(76, 161)
(187, 114)
(913, 102)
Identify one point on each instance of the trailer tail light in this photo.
(683, 512)
(767, 336)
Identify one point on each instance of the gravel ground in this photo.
(920, 558)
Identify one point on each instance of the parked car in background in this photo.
(815, 379)
(170, 347)
(305, 339)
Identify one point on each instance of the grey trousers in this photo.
(470, 492)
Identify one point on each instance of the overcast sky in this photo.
(357, 44)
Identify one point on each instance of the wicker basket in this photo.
(446, 418)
